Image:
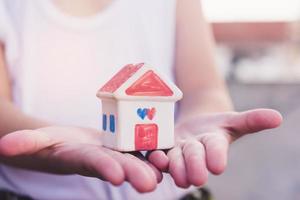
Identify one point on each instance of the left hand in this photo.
(74, 150)
(202, 142)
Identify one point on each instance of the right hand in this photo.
(71, 150)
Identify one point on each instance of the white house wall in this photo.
(128, 118)
(109, 107)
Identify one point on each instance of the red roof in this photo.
(149, 85)
(121, 77)
(145, 83)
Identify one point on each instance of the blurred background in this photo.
(258, 50)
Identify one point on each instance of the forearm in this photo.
(13, 119)
(204, 90)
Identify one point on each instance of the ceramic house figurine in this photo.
(138, 109)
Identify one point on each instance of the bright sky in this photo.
(252, 10)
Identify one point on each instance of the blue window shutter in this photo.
(104, 122)
(112, 123)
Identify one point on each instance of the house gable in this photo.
(140, 82)
(149, 84)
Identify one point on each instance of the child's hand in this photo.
(202, 143)
(69, 150)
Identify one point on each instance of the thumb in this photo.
(24, 142)
(253, 121)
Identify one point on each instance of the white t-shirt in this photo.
(57, 63)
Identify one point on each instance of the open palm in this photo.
(202, 143)
(71, 150)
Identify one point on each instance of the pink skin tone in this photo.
(70, 150)
(202, 143)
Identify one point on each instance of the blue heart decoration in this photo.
(142, 112)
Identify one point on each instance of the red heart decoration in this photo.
(151, 112)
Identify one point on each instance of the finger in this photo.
(140, 174)
(137, 173)
(159, 159)
(27, 142)
(216, 148)
(194, 156)
(83, 159)
(177, 167)
(24, 142)
(96, 163)
(253, 121)
(157, 173)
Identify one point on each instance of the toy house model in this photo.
(138, 109)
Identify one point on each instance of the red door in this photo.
(145, 136)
